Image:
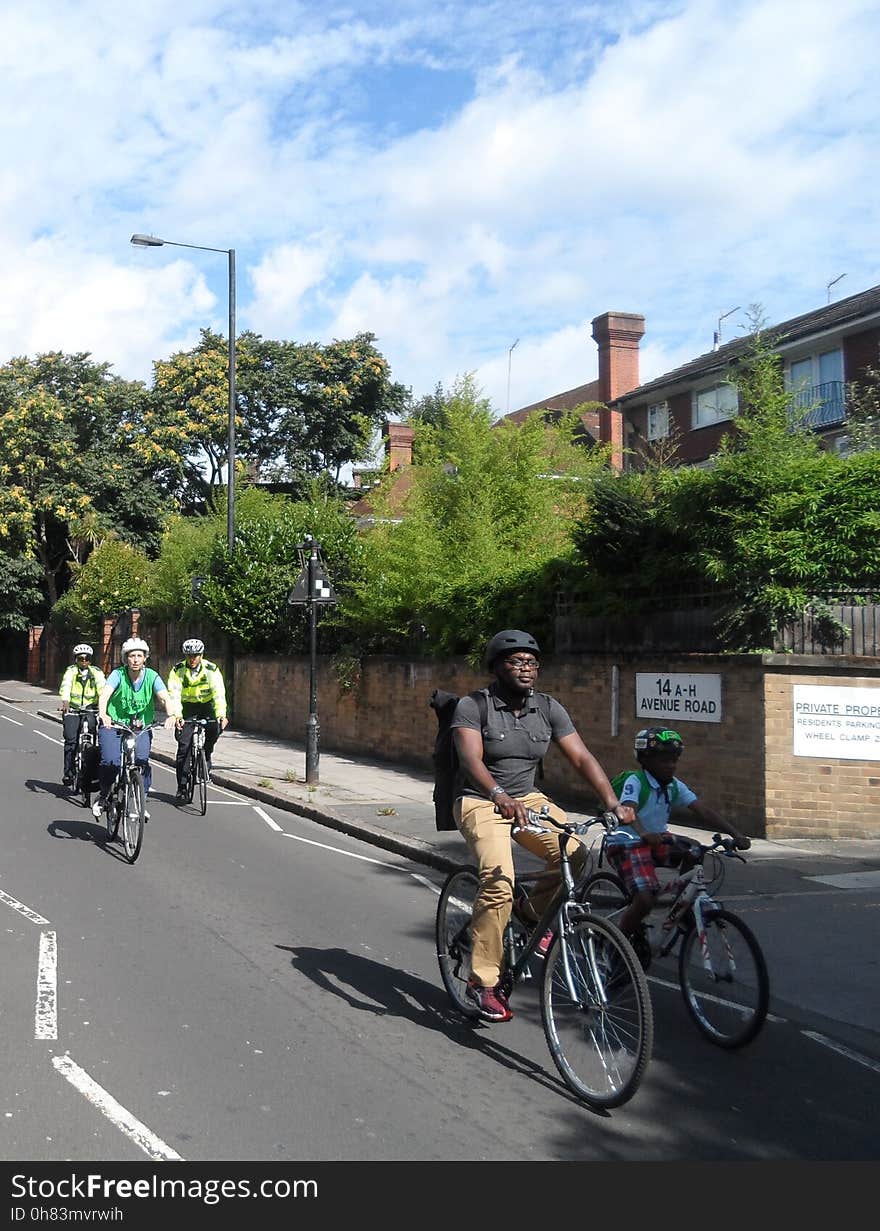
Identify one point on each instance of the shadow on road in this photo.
(373, 987)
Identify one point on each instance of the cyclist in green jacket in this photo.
(199, 692)
(79, 690)
(129, 698)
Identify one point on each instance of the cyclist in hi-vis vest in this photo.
(80, 686)
(199, 692)
(129, 698)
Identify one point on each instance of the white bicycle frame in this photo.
(692, 895)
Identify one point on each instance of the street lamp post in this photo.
(152, 241)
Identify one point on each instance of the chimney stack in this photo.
(617, 335)
(398, 445)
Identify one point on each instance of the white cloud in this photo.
(671, 158)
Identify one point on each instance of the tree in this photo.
(245, 597)
(774, 522)
(113, 579)
(68, 462)
(310, 408)
(489, 508)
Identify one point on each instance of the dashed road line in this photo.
(24, 910)
(15, 720)
(46, 1016)
(154, 1147)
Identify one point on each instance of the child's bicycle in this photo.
(595, 1005)
(721, 969)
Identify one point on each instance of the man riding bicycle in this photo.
(198, 690)
(79, 690)
(129, 698)
(499, 759)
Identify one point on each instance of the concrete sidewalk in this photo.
(387, 805)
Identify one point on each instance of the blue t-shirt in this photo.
(114, 679)
(654, 813)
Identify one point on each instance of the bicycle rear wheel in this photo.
(598, 1023)
(202, 779)
(133, 808)
(452, 928)
(729, 1001)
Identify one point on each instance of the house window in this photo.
(715, 404)
(658, 421)
(817, 388)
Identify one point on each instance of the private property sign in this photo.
(685, 698)
(836, 722)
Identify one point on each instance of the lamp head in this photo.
(147, 241)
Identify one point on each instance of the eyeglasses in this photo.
(516, 663)
(83, 658)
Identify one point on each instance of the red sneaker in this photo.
(491, 1002)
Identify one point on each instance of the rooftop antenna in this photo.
(717, 337)
(509, 358)
(833, 282)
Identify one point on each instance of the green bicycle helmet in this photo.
(657, 739)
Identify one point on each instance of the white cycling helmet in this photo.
(82, 648)
(134, 643)
(193, 645)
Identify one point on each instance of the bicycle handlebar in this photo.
(536, 823)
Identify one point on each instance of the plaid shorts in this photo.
(635, 864)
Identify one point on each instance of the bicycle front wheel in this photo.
(455, 911)
(202, 779)
(603, 893)
(726, 988)
(133, 808)
(597, 1013)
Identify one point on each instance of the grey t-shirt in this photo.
(513, 746)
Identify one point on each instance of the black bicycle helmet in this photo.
(657, 739)
(508, 640)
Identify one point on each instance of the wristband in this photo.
(497, 790)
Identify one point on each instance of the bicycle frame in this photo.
(559, 912)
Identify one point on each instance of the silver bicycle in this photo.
(595, 1006)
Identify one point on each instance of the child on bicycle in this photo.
(636, 851)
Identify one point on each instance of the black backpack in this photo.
(445, 757)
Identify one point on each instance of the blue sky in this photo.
(450, 176)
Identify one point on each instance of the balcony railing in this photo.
(827, 404)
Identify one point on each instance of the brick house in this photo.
(821, 351)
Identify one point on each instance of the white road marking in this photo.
(24, 910)
(15, 720)
(844, 1051)
(423, 880)
(338, 850)
(850, 880)
(272, 824)
(154, 1147)
(59, 742)
(46, 1016)
(728, 1004)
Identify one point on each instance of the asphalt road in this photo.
(258, 987)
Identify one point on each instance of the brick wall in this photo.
(743, 766)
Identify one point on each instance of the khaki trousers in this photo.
(487, 834)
